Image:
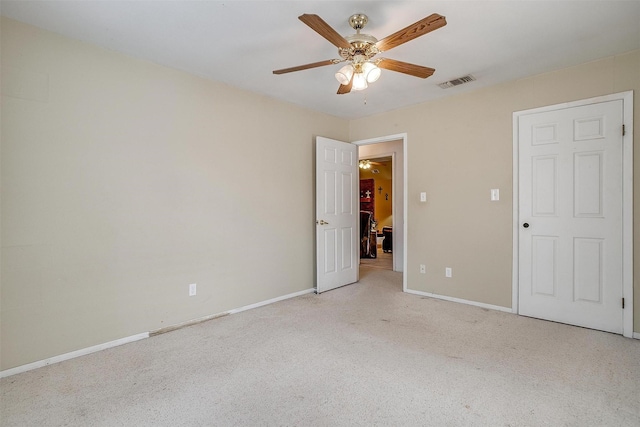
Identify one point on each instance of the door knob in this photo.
(322, 222)
(525, 225)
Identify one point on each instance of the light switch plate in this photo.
(495, 194)
(423, 197)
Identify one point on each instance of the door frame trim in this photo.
(627, 199)
(405, 174)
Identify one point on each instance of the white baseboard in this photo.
(72, 355)
(226, 313)
(177, 326)
(121, 341)
(271, 301)
(461, 301)
(635, 335)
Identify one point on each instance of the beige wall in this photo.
(383, 203)
(461, 147)
(124, 182)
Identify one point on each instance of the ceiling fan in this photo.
(359, 51)
(366, 164)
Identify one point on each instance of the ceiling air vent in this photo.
(457, 82)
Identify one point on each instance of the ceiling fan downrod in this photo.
(358, 21)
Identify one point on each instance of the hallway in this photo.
(384, 260)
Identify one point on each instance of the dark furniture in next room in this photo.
(368, 244)
(387, 243)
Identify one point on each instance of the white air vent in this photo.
(457, 82)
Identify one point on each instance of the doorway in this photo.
(376, 211)
(393, 147)
(337, 207)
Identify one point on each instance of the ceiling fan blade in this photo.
(406, 68)
(345, 88)
(319, 26)
(420, 28)
(307, 66)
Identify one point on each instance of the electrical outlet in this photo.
(447, 272)
(192, 289)
(423, 268)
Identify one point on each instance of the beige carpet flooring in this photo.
(383, 260)
(366, 354)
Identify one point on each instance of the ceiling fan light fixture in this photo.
(344, 74)
(371, 72)
(359, 82)
(364, 164)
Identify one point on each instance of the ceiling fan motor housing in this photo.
(363, 46)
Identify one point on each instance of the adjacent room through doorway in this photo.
(382, 204)
(376, 212)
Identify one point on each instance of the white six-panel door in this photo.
(337, 250)
(570, 215)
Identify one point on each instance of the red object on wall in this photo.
(367, 188)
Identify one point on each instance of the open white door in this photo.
(336, 214)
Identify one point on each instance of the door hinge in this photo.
(623, 131)
(622, 302)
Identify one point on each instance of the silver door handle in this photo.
(322, 222)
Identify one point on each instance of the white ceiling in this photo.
(241, 42)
